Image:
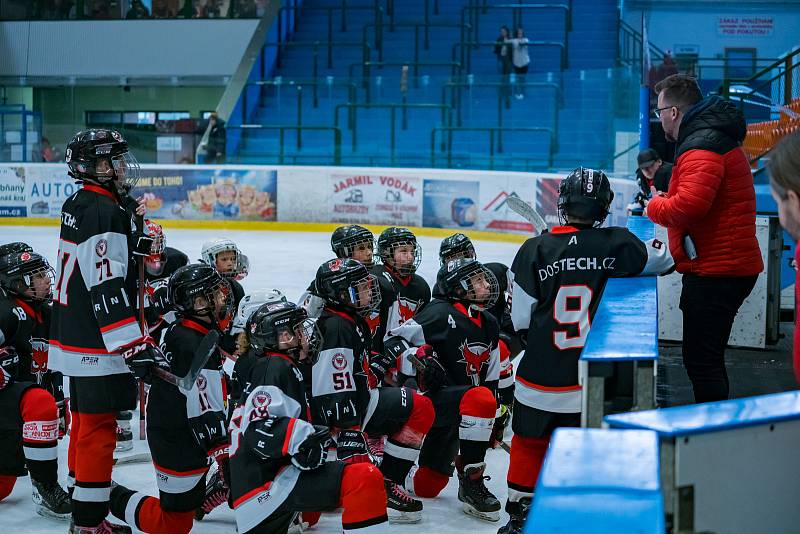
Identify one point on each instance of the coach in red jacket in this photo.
(711, 204)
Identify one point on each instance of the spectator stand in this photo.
(618, 363)
(729, 466)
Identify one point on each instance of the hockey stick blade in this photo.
(505, 446)
(203, 353)
(526, 211)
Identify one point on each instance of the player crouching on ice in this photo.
(29, 415)
(451, 346)
(278, 458)
(557, 281)
(184, 428)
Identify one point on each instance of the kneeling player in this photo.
(453, 343)
(184, 428)
(558, 279)
(29, 417)
(278, 462)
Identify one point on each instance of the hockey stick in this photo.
(201, 356)
(526, 211)
(135, 458)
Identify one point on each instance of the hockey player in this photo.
(558, 279)
(224, 256)
(160, 264)
(453, 342)
(32, 408)
(184, 428)
(351, 241)
(345, 396)
(277, 456)
(403, 292)
(94, 336)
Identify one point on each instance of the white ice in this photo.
(285, 261)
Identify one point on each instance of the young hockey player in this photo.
(32, 408)
(558, 279)
(403, 292)
(95, 338)
(345, 375)
(278, 457)
(223, 255)
(453, 342)
(184, 428)
(160, 264)
(351, 241)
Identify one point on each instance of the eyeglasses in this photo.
(657, 111)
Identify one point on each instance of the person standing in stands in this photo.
(521, 61)
(217, 139)
(709, 211)
(784, 181)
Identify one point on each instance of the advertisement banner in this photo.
(46, 189)
(450, 204)
(374, 199)
(495, 216)
(12, 191)
(547, 199)
(220, 194)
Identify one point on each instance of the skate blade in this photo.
(485, 516)
(47, 512)
(403, 518)
(135, 458)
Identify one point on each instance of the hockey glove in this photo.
(351, 447)
(141, 244)
(381, 364)
(9, 359)
(141, 356)
(313, 451)
(431, 376)
(64, 417)
(500, 424)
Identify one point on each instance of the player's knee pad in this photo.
(419, 422)
(363, 495)
(428, 483)
(6, 485)
(478, 402)
(38, 404)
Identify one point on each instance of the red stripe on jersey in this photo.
(563, 229)
(548, 388)
(99, 190)
(287, 440)
(72, 348)
(118, 324)
(29, 309)
(194, 325)
(252, 493)
(460, 307)
(181, 473)
(340, 314)
(280, 355)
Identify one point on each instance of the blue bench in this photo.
(731, 466)
(599, 481)
(624, 331)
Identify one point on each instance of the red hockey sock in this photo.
(527, 457)
(6, 485)
(95, 442)
(363, 498)
(73, 438)
(152, 519)
(428, 483)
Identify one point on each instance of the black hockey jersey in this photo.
(159, 313)
(26, 327)
(465, 342)
(557, 281)
(267, 427)
(401, 298)
(341, 379)
(94, 311)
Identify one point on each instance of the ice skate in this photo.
(400, 506)
(51, 500)
(478, 500)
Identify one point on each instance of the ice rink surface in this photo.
(286, 261)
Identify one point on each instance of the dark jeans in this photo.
(709, 306)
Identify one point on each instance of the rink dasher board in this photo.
(756, 324)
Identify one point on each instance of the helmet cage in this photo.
(388, 251)
(460, 281)
(18, 279)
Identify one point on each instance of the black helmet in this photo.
(457, 281)
(338, 281)
(454, 247)
(17, 246)
(585, 194)
(102, 156)
(18, 271)
(199, 280)
(394, 237)
(345, 239)
(265, 325)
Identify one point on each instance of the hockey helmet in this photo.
(101, 155)
(236, 268)
(454, 247)
(250, 303)
(585, 194)
(265, 326)
(467, 280)
(199, 290)
(157, 259)
(17, 246)
(393, 238)
(347, 283)
(345, 240)
(27, 275)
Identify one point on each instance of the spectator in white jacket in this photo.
(520, 60)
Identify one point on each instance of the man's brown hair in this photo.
(784, 165)
(679, 90)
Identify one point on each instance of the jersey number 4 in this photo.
(571, 307)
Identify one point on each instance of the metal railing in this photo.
(367, 66)
(466, 48)
(630, 46)
(282, 129)
(329, 82)
(785, 88)
(495, 140)
(416, 26)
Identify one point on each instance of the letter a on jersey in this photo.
(573, 240)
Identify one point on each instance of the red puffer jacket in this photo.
(711, 195)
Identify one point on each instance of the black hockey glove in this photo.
(312, 452)
(140, 356)
(381, 364)
(431, 376)
(9, 359)
(141, 244)
(209, 431)
(351, 447)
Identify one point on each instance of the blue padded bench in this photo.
(729, 467)
(599, 481)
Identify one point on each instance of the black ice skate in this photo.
(105, 527)
(50, 500)
(400, 506)
(517, 511)
(124, 439)
(216, 494)
(478, 500)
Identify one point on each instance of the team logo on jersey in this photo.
(39, 357)
(101, 248)
(261, 400)
(201, 383)
(339, 361)
(474, 356)
(373, 320)
(406, 309)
